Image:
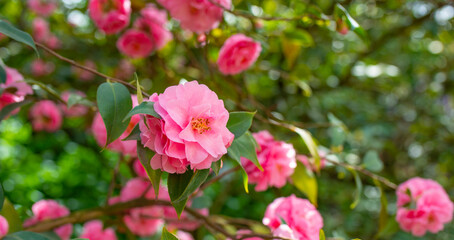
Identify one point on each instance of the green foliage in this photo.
(305, 181)
(244, 146)
(167, 236)
(2, 75)
(7, 110)
(143, 108)
(145, 156)
(240, 122)
(2, 197)
(16, 34)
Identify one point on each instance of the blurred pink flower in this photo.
(85, 75)
(139, 169)
(135, 43)
(76, 110)
(125, 69)
(184, 235)
(299, 215)
(41, 68)
(237, 54)
(94, 230)
(14, 89)
(50, 209)
(4, 227)
(110, 16)
(423, 205)
(125, 147)
(45, 116)
(40, 29)
(42, 7)
(196, 15)
(192, 129)
(277, 159)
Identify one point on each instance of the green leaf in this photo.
(201, 202)
(16, 34)
(311, 145)
(359, 188)
(341, 13)
(216, 166)
(2, 75)
(383, 217)
(2, 197)
(244, 146)
(305, 181)
(139, 89)
(240, 122)
(181, 186)
(8, 109)
(134, 135)
(11, 215)
(167, 236)
(372, 161)
(144, 108)
(145, 156)
(300, 37)
(25, 235)
(114, 103)
(74, 99)
(322, 235)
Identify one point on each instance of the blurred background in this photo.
(378, 96)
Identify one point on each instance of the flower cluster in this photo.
(42, 7)
(42, 33)
(423, 205)
(293, 218)
(110, 16)
(277, 159)
(192, 129)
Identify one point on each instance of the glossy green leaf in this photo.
(144, 108)
(181, 186)
(114, 103)
(244, 146)
(305, 181)
(145, 156)
(311, 146)
(240, 122)
(8, 109)
(341, 12)
(2, 75)
(167, 236)
(134, 135)
(16, 34)
(372, 161)
(359, 189)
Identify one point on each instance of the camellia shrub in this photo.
(221, 119)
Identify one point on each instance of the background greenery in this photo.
(393, 89)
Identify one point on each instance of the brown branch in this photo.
(74, 63)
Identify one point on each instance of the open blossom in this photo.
(4, 227)
(45, 116)
(196, 15)
(110, 16)
(14, 88)
(277, 159)
(94, 230)
(237, 54)
(50, 209)
(192, 130)
(423, 205)
(149, 34)
(42, 7)
(126, 147)
(76, 110)
(298, 214)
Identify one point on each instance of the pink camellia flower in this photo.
(139, 169)
(153, 21)
(423, 205)
(76, 110)
(41, 68)
(85, 75)
(135, 43)
(298, 214)
(94, 230)
(277, 159)
(237, 54)
(45, 116)
(50, 209)
(192, 130)
(184, 235)
(42, 7)
(14, 89)
(196, 15)
(4, 227)
(125, 147)
(110, 16)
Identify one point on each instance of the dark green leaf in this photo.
(244, 146)
(144, 108)
(372, 161)
(134, 135)
(145, 156)
(11, 215)
(240, 122)
(216, 166)
(25, 235)
(305, 181)
(114, 103)
(2, 197)
(16, 34)
(8, 109)
(167, 236)
(2, 75)
(181, 186)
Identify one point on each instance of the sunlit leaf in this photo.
(322, 235)
(305, 181)
(311, 146)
